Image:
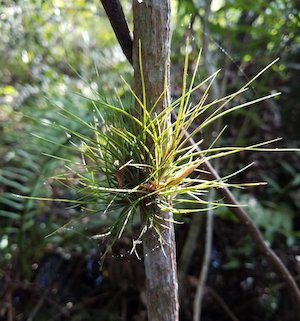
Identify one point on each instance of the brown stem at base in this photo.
(161, 272)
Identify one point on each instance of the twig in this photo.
(195, 227)
(216, 93)
(119, 24)
(254, 232)
(222, 303)
(252, 300)
(281, 285)
(38, 305)
(205, 264)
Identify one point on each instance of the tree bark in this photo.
(152, 34)
(151, 20)
(161, 273)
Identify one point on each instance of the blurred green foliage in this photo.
(50, 50)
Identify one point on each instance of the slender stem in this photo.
(190, 244)
(206, 262)
(254, 232)
(38, 305)
(119, 24)
(222, 303)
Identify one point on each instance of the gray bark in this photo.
(151, 20)
(152, 31)
(161, 274)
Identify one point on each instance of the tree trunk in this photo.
(161, 274)
(152, 32)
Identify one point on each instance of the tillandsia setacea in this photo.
(133, 159)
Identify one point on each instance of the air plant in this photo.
(133, 160)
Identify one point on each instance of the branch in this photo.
(119, 24)
(206, 261)
(222, 303)
(189, 246)
(254, 232)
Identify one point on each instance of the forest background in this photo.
(52, 54)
